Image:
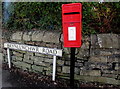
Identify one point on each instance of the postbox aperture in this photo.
(72, 24)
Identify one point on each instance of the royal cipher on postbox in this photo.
(72, 24)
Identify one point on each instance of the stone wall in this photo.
(98, 60)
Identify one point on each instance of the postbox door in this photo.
(72, 34)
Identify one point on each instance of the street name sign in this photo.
(43, 50)
(36, 49)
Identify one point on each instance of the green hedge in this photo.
(97, 18)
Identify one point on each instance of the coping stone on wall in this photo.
(108, 40)
(38, 35)
(26, 36)
(51, 36)
(17, 36)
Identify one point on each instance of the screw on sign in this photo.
(72, 28)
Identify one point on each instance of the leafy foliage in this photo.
(101, 18)
(97, 18)
(28, 15)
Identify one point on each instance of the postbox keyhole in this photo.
(71, 24)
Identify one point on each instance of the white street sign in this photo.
(42, 50)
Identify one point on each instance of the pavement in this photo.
(4, 76)
(0, 71)
(0, 78)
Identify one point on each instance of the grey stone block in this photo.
(104, 41)
(37, 68)
(22, 65)
(67, 63)
(97, 65)
(40, 61)
(77, 71)
(28, 61)
(60, 62)
(38, 35)
(101, 52)
(35, 58)
(117, 66)
(102, 59)
(17, 36)
(66, 69)
(59, 69)
(110, 75)
(48, 60)
(5, 58)
(94, 41)
(78, 64)
(4, 51)
(47, 68)
(108, 40)
(39, 54)
(16, 58)
(29, 53)
(110, 72)
(82, 53)
(113, 59)
(51, 36)
(116, 51)
(100, 79)
(1, 56)
(27, 56)
(26, 36)
(105, 53)
(90, 72)
(118, 77)
(17, 54)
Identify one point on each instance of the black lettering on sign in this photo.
(49, 51)
(29, 48)
(12, 45)
(8, 45)
(33, 49)
(37, 49)
(43, 50)
(23, 47)
(54, 51)
(15, 46)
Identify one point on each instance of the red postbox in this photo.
(72, 24)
